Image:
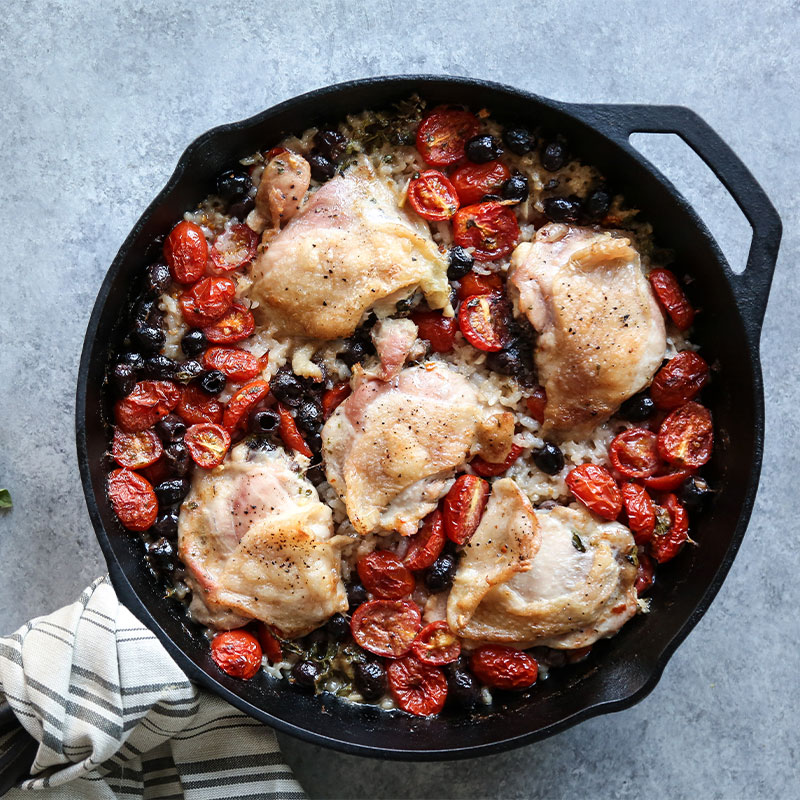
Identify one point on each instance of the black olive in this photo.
(213, 381)
(638, 408)
(694, 493)
(330, 144)
(549, 459)
(357, 347)
(309, 417)
(145, 312)
(158, 278)
(515, 188)
(561, 209)
(160, 367)
(186, 371)
(287, 387)
(596, 205)
(233, 185)
(356, 595)
(483, 148)
(194, 342)
(554, 156)
(171, 428)
(460, 262)
(507, 361)
(177, 459)
(316, 474)
(370, 679)
(135, 360)
(151, 339)
(264, 420)
(463, 689)
(518, 140)
(316, 638)
(166, 523)
(439, 576)
(338, 627)
(314, 441)
(124, 379)
(241, 209)
(161, 554)
(261, 443)
(322, 169)
(306, 673)
(172, 491)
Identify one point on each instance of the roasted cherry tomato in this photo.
(668, 478)
(133, 499)
(158, 472)
(472, 284)
(464, 506)
(242, 403)
(384, 574)
(234, 248)
(207, 443)
(432, 196)
(198, 406)
(473, 181)
(491, 229)
(426, 545)
(386, 627)
(207, 301)
(237, 653)
(487, 469)
(679, 380)
(149, 402)
(186, 252)
(417, 688)
(504, 667)
(442, 135)
(136, 450)
(235, 325)
(482, 319)
(596, 488)
(640, 510)
(665, 544)
(290, 434)
(634, 453)
(234, 363)
(645, 573)
(439, 330)
(536, 403)
(270, 644)
(436, 644)
(334, 397)
(686, 436)
(672, 298)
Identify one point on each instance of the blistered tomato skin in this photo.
(386, 627)
(464, 506)
(634, 453)
(242, 403)
(198, 406)
(207, 301)
(672, 299)
(237, 653)
(289, 432)
(186, 252)
(233, 362)
(432, 196)
(640, 511)
(679, 380)
(133, 499)
(443, 134)
(664, 546)
(426, 545)
(596, 488)
(686, 436)
(487, 469)
(149, 402)
(436, 644)
(474, 181)
(491, 229)
(668, 478)
(385, 575)
(437, 329)
(504, 667)
(419, 689)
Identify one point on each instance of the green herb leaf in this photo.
(577, 543)
(5, 499)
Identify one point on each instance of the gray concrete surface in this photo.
(97, 101)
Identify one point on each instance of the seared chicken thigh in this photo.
(601, 333)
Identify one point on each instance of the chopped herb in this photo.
(577, 543)
(5, 498)
(663, 521)
(633, 556)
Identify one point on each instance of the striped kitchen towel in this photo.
(113, 716)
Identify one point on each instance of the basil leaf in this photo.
(577, 543)
(5, 499)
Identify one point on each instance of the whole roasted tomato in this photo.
(385, 575)
(237, 653)
(186, 252)
(443, 134)
(234, 363)
(133, 499)
(207, 301)
(149, 402)
(672, 298)
(504, 667)
(596, 488)
(474, 181)
(679, 380)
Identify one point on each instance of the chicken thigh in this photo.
(601, 333)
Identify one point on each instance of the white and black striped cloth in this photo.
(113, 716)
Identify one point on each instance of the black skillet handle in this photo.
(751, 287)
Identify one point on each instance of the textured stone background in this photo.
(99, 100)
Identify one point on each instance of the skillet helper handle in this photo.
(751, 287)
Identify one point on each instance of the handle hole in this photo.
(698, 184)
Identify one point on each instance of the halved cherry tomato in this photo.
(417, 688)
(186, 252)
(242, 403)
(645, 573)
(472, 284)
(290, 434)
(270, 644)
(233, 362)
(463, 507)
(672, 298)
(234, 248)
(386, 627)
(198, 406)
(442, 135)
(536, 403)
(237, 653)
(679, 380)
(207, 301)
(686, 436)
(504, 667)
(668, 478)
(634, 453)
(336, 395)
(491, 229)
(133, 499)
(473, 181)
(640, 510)
(439, 330)
(385, 575)
(665, 545)
(482, 319)
(233, 326)
(207, 444)
(426, 545)
(596, 488)
(149, 402)
(487, 469)
(136, 450)
(436, 644)
(432, 196)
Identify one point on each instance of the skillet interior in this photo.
(620, 671)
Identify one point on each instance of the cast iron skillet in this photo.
(620, 671)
